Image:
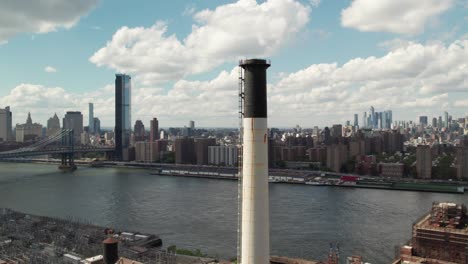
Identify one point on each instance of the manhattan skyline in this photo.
(328, 60)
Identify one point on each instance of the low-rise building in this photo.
(392, 170)
(440, 237)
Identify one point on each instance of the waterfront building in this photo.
(154, 129)
(74, 121)
(6, 124)
(318, 154)
(139, 131)
(184, 149)
(28, 131)
(91, 118)
(357, 147)
(201, 149)
(150, 151)
(462, 159)
(293, 153)
(53, 125)
(223, 155)
(123, 120)
(392, 170)
(438, 237)
(424, 161)
(337, 155)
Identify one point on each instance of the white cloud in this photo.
(243, 28)
(43, 101)
(315, 3)
(44, 16)
(396, 16)
(410, 80)
(50, 69)
(461, 103)
(394, 44)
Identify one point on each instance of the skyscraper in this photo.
(97, 126)
(390, 118)
(6, 124)
(91, 118)
(139, 131)
(122, 115)
(53, 125)
(380, 120)
(434, 122)
(423, 120)
(74, 121)
(356, 120)
(192, 124)
(446, 121)
(154, 129)
(364, 120)
(372, 117)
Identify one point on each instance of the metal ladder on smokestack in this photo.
(239, 161)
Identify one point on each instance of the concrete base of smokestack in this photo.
(255, 205)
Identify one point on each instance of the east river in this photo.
(197, 213)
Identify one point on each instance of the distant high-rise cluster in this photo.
(376, 120)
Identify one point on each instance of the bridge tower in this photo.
(68, 158)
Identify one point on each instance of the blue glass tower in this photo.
(123, 119)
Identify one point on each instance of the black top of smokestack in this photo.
(255, 90)
(111, 250)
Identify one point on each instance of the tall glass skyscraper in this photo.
(123, 119)
(91, 118)
(373, 118)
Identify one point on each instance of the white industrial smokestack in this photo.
(255, 243)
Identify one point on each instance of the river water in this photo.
(202, 213)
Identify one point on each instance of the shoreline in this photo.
(442, 187)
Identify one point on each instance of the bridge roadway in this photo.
(25, 152)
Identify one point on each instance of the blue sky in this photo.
(182, 57)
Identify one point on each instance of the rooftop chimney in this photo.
(111, 250)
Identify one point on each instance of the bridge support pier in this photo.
(68, 162)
